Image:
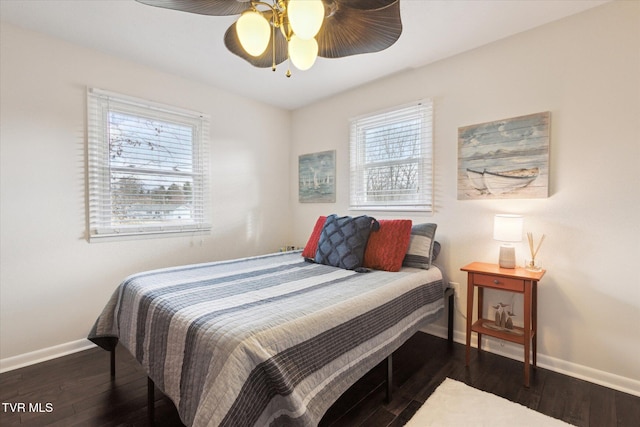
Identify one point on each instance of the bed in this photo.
(265, 340)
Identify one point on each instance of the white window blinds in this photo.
(147, 167)
(391, 159)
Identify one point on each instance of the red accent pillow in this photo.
(312, 244)
(388, 246)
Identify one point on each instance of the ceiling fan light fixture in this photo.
(263, 35)
(305, 17)
(303, 53)
(254, 32)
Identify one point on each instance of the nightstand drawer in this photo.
(498, 282)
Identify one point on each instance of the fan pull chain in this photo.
(288, 60)
(273, 44)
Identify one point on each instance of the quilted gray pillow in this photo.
(420, 252)
(343, 241)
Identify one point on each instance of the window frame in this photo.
(422, 200)
(102, 221)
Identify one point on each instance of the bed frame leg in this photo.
(150, 401)
(113, 362)
(389, 378)
(450, 293)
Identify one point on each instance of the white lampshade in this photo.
(254, 32)
(303, 53)
(508, 228)
(305, 17)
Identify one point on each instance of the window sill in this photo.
(393, 209)
(137, 235)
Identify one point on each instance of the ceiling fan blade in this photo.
(349, 31)
(360, 4)
(203, 7)
(265, 60)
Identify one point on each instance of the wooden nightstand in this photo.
(482, 275)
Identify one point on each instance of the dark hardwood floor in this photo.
(78, 390)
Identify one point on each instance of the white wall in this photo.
(585, 69)
(53, 283)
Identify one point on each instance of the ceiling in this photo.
(191, 45)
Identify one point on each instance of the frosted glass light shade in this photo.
(253, 32)
(305, 17)
(303, 53)
(508, 228)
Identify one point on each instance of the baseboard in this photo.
(31, 358)
(512, 351)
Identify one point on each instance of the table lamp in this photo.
(507, 229)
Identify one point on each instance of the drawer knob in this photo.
(496, 281)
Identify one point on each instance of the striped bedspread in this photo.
(268, 340)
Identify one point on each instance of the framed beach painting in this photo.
(317, 177)
(505, 159)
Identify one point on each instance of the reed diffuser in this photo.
(531, 265)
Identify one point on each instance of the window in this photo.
(391, 159)
(147, 167)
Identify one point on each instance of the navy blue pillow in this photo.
(343, 241)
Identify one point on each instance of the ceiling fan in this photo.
(269, 32)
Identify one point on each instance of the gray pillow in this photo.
(343, 241)
(420, 252)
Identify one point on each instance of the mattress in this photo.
(267, 340)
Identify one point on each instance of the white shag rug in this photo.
(455, 404)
